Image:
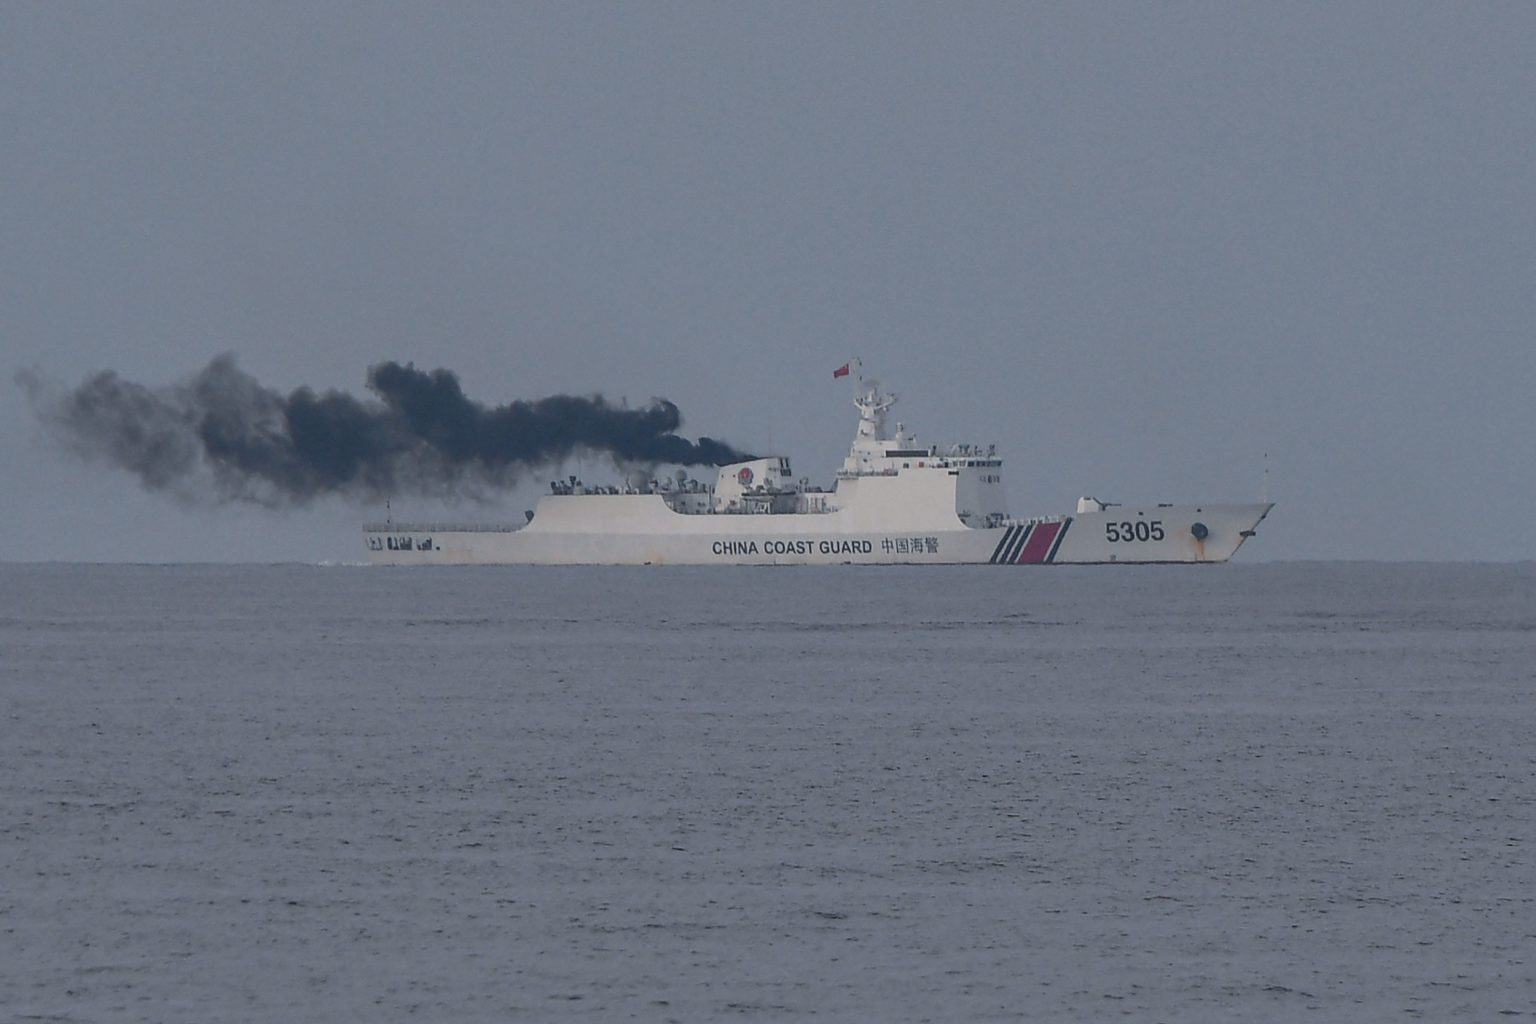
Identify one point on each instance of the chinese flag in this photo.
(841, 371)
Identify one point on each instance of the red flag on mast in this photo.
(841, 371)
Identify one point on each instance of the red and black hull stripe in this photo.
(1030, 543)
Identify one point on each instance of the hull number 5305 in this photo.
(1127, 532)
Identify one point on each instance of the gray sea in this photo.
(315, 793)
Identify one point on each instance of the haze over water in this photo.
(1246, 792)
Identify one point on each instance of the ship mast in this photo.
(872, 435)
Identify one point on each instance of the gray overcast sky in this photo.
(1136, 245)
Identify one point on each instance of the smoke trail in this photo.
(222, 434)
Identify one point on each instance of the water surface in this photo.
(1245, 792)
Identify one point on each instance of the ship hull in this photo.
(562, 533)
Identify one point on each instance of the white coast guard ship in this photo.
(894, 502)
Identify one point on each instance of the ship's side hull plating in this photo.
(1117, 534)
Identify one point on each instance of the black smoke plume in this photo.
(221, 434)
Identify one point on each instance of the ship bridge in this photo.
(880, 451)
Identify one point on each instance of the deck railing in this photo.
(440, 527)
